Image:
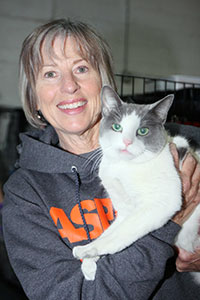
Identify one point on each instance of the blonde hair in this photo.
(90, 44)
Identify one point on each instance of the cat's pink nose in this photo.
(127, 142)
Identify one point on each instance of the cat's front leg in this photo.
(102, 245)
(86, 251)
(89, 267)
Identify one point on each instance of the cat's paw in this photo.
(89, 268)
(81, 252)
(75, 252)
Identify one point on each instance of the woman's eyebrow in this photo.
(48, 65)
(79, 60)
(54, 64)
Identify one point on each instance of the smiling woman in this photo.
(88, 46)
(64, 86)
(55, 200)
(68, 95)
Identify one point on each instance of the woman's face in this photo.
(68, 90)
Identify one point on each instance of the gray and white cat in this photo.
(138, 172)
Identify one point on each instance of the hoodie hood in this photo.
(39, 151)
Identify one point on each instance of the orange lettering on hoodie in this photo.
(98, 221)
(68, 230)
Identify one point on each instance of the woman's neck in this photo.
(80, 143)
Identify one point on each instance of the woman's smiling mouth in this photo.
(73, 107)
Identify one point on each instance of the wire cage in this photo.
(186, 105)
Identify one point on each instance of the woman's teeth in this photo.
(72, 105)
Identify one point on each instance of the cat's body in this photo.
(143, 196)
(138, 172)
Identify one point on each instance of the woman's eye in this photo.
(117, 127)
(143, 131)
(50, 74)
(82, 69)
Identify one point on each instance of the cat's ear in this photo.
(110, 100)
(161, 107)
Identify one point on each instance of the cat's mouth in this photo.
(126, 154)
(125, 151)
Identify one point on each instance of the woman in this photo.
(54, 201)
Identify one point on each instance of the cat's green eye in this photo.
(143, 131)
(117, 127)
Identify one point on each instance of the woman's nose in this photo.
(69, 84)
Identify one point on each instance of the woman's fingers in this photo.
(187, 209)
(174, 153)
(190, 177)
(195, 184)
(188, 262)
(190, 173)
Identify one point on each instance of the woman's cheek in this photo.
(46, 94)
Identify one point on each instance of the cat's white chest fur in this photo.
(139, 184)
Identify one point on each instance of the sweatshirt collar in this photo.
(39, 151)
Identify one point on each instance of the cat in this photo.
(138, 172)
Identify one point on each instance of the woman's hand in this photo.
(190, 176)
(188, 262)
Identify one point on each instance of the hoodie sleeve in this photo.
(47, 269)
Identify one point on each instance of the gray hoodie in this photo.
(54, 201)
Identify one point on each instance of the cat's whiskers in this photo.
(94, 159)
(106, 149)
(96, 163)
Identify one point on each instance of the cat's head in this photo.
(132, 131)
